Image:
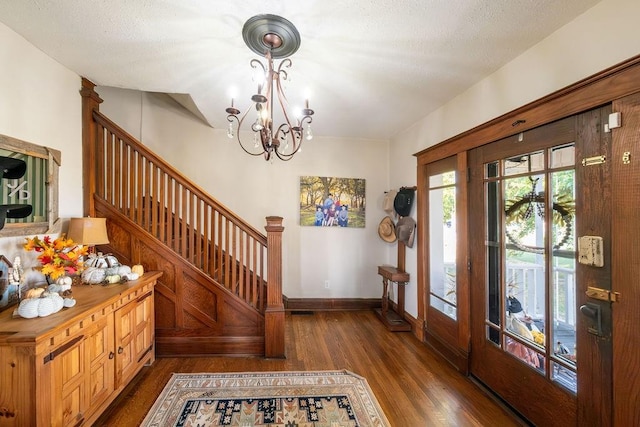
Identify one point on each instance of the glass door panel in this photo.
(530, 261)
(442, 237)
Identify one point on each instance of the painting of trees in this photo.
(330, 201)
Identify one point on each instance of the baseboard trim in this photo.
(456, 357)
(330, 304)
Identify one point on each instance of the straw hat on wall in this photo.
(387, 230)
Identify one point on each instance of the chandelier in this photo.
(275, 38)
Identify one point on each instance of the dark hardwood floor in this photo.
(414, 386)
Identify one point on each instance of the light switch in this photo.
(590, 251)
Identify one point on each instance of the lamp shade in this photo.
(88, 231)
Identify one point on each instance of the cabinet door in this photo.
(125, 322)
(69, 385)
(134, 328)
(100, 361)
(144, 326)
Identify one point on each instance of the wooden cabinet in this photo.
(65, 369)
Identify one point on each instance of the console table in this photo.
(65, 369)
(393, 320)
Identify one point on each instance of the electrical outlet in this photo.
(326, 284)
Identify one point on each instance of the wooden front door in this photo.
(540, 236)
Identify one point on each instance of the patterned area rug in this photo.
(287, 399)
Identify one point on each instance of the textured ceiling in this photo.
(370, 68)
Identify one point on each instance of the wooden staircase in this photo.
(221, 288)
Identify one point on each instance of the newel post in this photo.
(274, 313)
(90, 102)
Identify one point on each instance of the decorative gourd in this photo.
(93, 275)
(28, 308)
(58, 288)
(131, 276)
(120, 270)
(69, 302)
(112, 261)
(110, 271)
(123, 270)
(115, 278)
(64, 280)
(102, 261)
(40, 307)
(139, 269)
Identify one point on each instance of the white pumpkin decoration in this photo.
(28, 308)
(58, 302)
(102, 261)
(131, 276)
(123, 270)
(40, 307)
(69, 302)
(93, 275)
(110, 271)
(64, 281)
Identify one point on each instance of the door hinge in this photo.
(602, 294)
(615, 121)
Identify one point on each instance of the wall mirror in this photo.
(28, 188)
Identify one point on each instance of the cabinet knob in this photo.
(111, 355)
(120, 350)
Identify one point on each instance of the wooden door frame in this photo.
(605, 87)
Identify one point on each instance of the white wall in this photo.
(254, 189)
(40, 103)
(603, 36)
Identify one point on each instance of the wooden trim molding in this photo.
(331, 304)
(615, 82)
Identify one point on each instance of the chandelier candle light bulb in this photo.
(273, 37)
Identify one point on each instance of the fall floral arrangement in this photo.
(58, 257)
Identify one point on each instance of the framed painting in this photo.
(332, 202)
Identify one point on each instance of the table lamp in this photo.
(88, 231)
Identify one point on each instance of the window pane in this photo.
(492, 170)
(563, 284)
(494, 217)
(524, 163)
(564, 376)
(442, 236)
(444, 307)
(440, 180)
(524, 201)
(562, 156)
(525, 353)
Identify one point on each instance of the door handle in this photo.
(592, 311)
